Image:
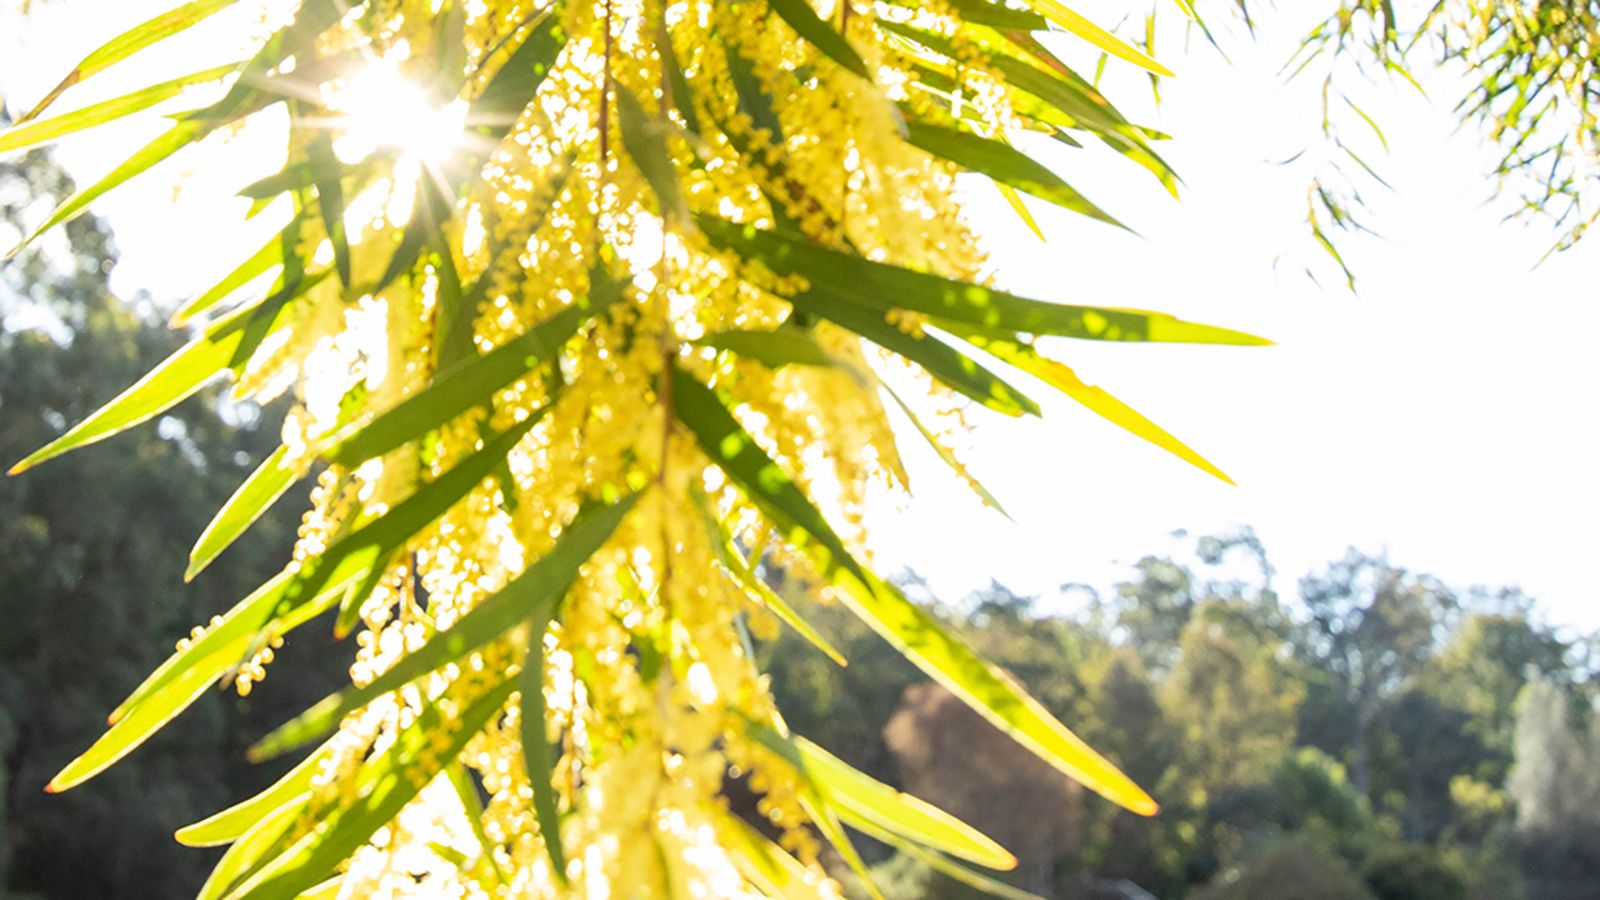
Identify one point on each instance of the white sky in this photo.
(1436, 415)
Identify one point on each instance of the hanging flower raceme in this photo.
(585, 307)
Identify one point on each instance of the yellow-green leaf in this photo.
(258, 492)
(1094, 34)
(880, 286)
(1058, 375)
(170, 382)
(130, 42)
(915, 632)
(541, 586)
(28, 135)
(227, 825)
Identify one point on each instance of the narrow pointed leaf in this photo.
(1097, 400)
(130, 42)
(1005, 164)
(645, 140)
(804, 20)
(941, 360)
(767, 865)
(170, 382)
(259, 263)
(387, 784)
(28, 135)
(774, 349)
(941, 863)
(326, 172)
(469, 383)
(254, 497)
(827, 822)
(536, 755)
(190, 672)
(915, 632)
(945, 454)
(736, 567)
(874, 285)
(681, 96)
(176, 138)
(254, 847)
(858, 796)
(1094, 34)
(228, 824)
(370, 546)
(540, 587)
(1014, 200)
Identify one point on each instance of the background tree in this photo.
(91, 573)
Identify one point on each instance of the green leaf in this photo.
(994, 15)
(190, 672)
(774, 349)
(913, 631)
(827, 822)
(881, 286)
(1058, 375)
(472, 807)
(1002, 163)
(681, 96)
(258, 492)
(945, 453)
(369, 547)
(857, 796)
(260, 843)
(943, 864)
(768, 866)
(509, 92)
(754, 101)
(171, 381)
(176, 138)
(255, 89)
(536, 755)
(1014, 200)
(804, 20)
(645, 140)
(1094, 34)
(28, 135)
(472, 382)
(541, 586)
(386, 785)
(942, 361)
(735, 566)
(229, 824)
(130, 42)
(326, 172)
(270, 254)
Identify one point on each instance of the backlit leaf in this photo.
(28, 135)
(174, 379)
(906, 626)
(539, 587)
(130, 42)
(1097, 400)
(875, 285)
(1002, 163)
(258, 492)
(804, 20)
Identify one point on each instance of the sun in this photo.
(380, 109)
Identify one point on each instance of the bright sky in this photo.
(1437, 415)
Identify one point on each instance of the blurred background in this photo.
(1367, 672)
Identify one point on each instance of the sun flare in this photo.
(379, 108)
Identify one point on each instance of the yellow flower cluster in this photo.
(649, 686)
